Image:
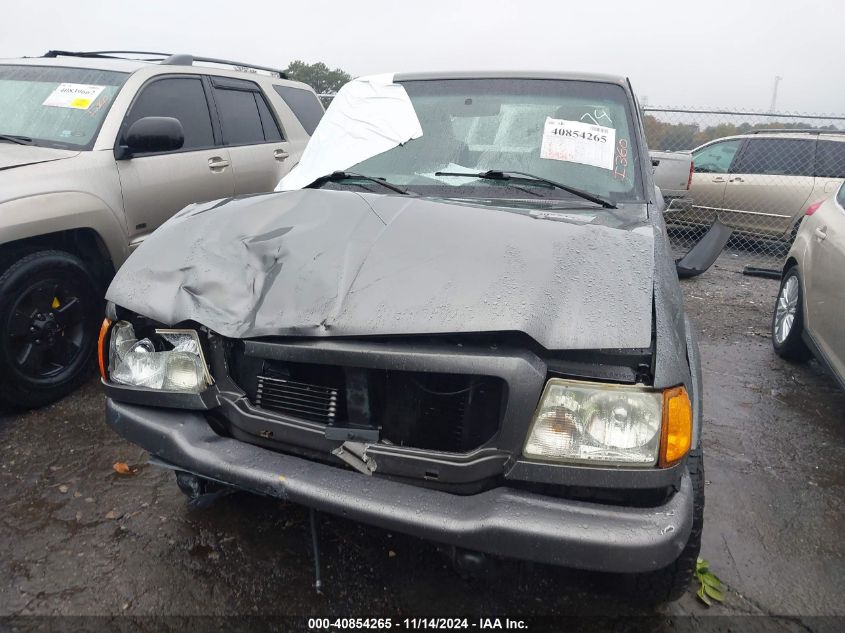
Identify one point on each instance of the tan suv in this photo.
(96, 151)
(760, 183)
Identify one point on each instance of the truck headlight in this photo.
(167, 360)
(604, 424)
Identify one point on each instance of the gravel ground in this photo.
(78, 538)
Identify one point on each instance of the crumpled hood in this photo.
(338, 263)
(14, 155)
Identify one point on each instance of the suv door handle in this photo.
(280, 155)
(215, 163)
(718, 179)
(820, 233)
(736, 179)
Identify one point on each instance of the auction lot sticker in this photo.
(577, 142)
(76, 96)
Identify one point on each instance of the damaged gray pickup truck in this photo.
(458, 318)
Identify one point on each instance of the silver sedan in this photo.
(809, 314)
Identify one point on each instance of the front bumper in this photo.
(502, 521)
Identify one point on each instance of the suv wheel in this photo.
(50, 308)
(671, 582)
(788, 319)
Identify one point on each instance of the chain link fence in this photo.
(756, 172)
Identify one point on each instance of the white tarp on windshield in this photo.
(368, 116)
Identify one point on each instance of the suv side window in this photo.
(244, 115)
(271, 128)
(777, 157)
(716, 158)
(830, 159)
(182, 98)
(304, 104)
(840, 197)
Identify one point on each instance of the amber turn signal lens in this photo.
(101, 344)
(676, 435)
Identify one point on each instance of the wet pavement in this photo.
(76, 537)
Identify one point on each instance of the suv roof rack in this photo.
(796, 130)
(169, 59)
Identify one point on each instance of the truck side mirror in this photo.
(152, 134)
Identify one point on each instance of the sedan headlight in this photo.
(167, 360)
(604, 424)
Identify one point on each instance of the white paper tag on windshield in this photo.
(576, 142)
(76, 96)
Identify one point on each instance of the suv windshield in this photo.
(576, 133)
(54, 106)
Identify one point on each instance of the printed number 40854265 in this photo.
(587, 136)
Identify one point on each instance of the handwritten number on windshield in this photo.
(621, 159)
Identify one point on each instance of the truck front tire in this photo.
(671, 582)
(50, 309)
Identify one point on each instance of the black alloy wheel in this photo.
(49, 311)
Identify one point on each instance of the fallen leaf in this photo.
(714, 593)
(391, 554)
(111, 514)
(121, 468)
(63, 489)
(710, 586)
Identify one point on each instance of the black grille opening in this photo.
(447, 412)
(443, 412)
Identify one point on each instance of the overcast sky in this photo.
(715, 53)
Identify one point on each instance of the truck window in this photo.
(830, 159)
(304, 104)
(777, 157)
(182, 98)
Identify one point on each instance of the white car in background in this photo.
(809, 314)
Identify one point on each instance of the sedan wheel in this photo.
(785, 310)
(788, 319)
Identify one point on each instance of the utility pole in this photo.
(775, 93)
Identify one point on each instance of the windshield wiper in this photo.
(14, 138)
(351, 175)
(496, 174)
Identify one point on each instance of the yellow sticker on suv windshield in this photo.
(76, 96)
